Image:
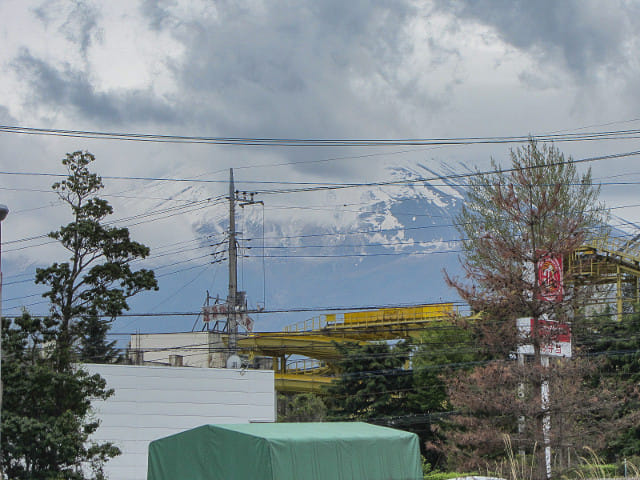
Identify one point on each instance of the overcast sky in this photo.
(300, 69)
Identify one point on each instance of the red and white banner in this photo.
(549, 278)
(220, 310)
(555, 337)
(246, 321)
(214, 312)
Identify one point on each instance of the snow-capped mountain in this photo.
(379, 244)
(383, 243)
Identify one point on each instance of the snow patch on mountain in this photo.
(411, 212)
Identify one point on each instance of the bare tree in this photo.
(518, 226)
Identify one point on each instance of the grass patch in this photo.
(430, 474)
(592, 467)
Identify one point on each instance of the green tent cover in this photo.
(286, 451)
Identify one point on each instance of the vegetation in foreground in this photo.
(47, 419)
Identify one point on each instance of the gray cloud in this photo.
(5, 117)
(80, 25)
(71, 90)
(328, 69)
(288, 69)
(584, 35)
(156, 12)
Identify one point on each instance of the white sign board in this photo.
(214, 312)
(555, 337)
(246, 321)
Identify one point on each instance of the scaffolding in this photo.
(609, 261)
(599, 261)
(318, 338)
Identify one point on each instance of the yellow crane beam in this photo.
(280, 344)
(608, 261)
(318, 338)
(293, 383)
(598, 261)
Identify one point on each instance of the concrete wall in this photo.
(153, 402)
(195, 349)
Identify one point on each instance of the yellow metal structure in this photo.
(281, 344)
(602, 261)
(599, 261)
(318, 338)
(380, 324)
(295, 383)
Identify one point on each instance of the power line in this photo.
(320, 142)
(447, 177)
(313, 186)
(263, 256)
(289, 256)
(336, 186)
(147, 217)
(361, 255)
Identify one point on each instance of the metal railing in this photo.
(622, 247)
(307, 366)
(315, 323)
(373, 318)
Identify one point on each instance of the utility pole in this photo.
(236, 301)
(232, 299)
(546, 419)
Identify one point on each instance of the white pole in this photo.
(546, 419)
(521, 418)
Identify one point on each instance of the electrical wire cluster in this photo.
(285, 247)
(322, 142)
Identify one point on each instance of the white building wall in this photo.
(152, 402)
(197, 349)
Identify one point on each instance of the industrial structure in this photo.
(610, 261)
(318, 337)
(304, 355)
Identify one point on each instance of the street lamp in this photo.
(4, 211)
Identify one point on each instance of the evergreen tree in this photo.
(46, 411)
(443, 349)
(302, 407)
(377, 385)
(616, 346)
(373, 383)
(93, 344)
(98, 279)
(47, 420)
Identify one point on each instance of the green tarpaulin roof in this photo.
(286, 451)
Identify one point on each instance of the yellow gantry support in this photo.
(318, 337)
(281, 344)
(293, 383)
(599, 261)
(613, 261)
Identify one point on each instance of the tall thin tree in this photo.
(514, 220)
(98, 278)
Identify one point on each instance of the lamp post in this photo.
(3, 214)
